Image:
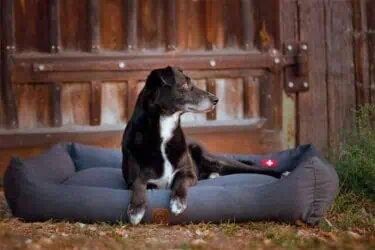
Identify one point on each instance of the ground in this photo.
(353, 228)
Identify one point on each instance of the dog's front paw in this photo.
(135, 214)
(177, 205)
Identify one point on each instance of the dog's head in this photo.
(171, 91)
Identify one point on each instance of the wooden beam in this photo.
(56, 104)
(247, 16)
(42, 64)
(1, 52)
(171, 25)
(9, 48)
(89, 134)
(55, 31)
(96, 103)
(361, 61)
(23, 76)
(55, 46)
(371, 44)
(211, 87)
(340, 72)
(131, 24)
(94, 19)
(9, 26)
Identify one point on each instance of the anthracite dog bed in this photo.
(83, 183)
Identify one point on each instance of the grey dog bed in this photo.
(77, 182)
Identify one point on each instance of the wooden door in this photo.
(73, 69)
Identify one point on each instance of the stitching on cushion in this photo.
(313, 204)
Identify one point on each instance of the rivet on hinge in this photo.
(41, 67)
(212, 63)
(121, 65)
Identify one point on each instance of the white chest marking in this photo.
(167, 126)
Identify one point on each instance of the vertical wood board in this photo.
(114, 103)
(312, 105)
(76, 104)
(340, 70)
(112, 23)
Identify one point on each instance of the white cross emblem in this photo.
(269, 163)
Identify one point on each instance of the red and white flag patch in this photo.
(269, 163)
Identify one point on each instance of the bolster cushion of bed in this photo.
(78, 182)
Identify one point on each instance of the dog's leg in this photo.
(214, 165)
(138, 204)
(183, 180)
(225, 166)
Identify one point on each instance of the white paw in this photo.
(135, 215)
(177, 206)
(286, 173)
(213, 175)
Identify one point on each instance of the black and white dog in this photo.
(155, 151)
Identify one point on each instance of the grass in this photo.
(354, 157)
(349, 224)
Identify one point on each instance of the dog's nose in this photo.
(214, 100)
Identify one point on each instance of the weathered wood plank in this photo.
(40, 64)
(267, 24)
(340, 70)
(31, 25)
(112, 25)
(2, 111)
(76, 104)
(289, 30)
(191, 25)
(114, 103)
(171, 31)
(43, 105)
(9, 48)
(96, 103)
(54, 26)
(230, 94)
(211, 87)
(266, 99)
(219, 139)
(74, 25)
(34, 105)
(370, 6)
(233, 24)
(131, 24)
(94, 19)
(152, 28)
(312, 105)
(9, 25)
(56, 104)
(247, 15)
(251, 95)
(361, 52)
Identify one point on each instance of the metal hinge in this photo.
(296, 67)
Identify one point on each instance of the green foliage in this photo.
(355, 156)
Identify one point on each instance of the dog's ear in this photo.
(166, 76)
